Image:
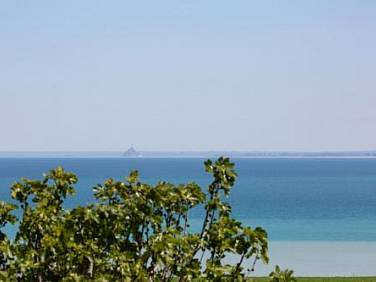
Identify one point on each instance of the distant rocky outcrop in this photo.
(131, 152)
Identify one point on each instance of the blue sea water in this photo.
(293, 199)
(320, 214)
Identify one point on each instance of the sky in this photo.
(187, 75)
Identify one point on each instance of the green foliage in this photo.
(134, 232)
(279, 275)
(324, 279)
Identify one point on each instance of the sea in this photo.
(320, 213)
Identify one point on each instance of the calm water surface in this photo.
(294, 199)
(320, 213)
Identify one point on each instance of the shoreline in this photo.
(321, 258)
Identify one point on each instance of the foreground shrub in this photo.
(279, 275)
(135, 231)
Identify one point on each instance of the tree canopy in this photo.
(133, 232)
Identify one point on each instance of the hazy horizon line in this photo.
(191, 151)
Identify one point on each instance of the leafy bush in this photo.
(134, 232)
(279, 275)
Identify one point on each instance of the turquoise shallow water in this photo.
(320, 213)
(294, 199)
(321, 258)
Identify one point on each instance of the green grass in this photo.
(326, 279)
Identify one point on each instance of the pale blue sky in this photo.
(188, 75)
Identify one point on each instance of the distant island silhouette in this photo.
(131, 153)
